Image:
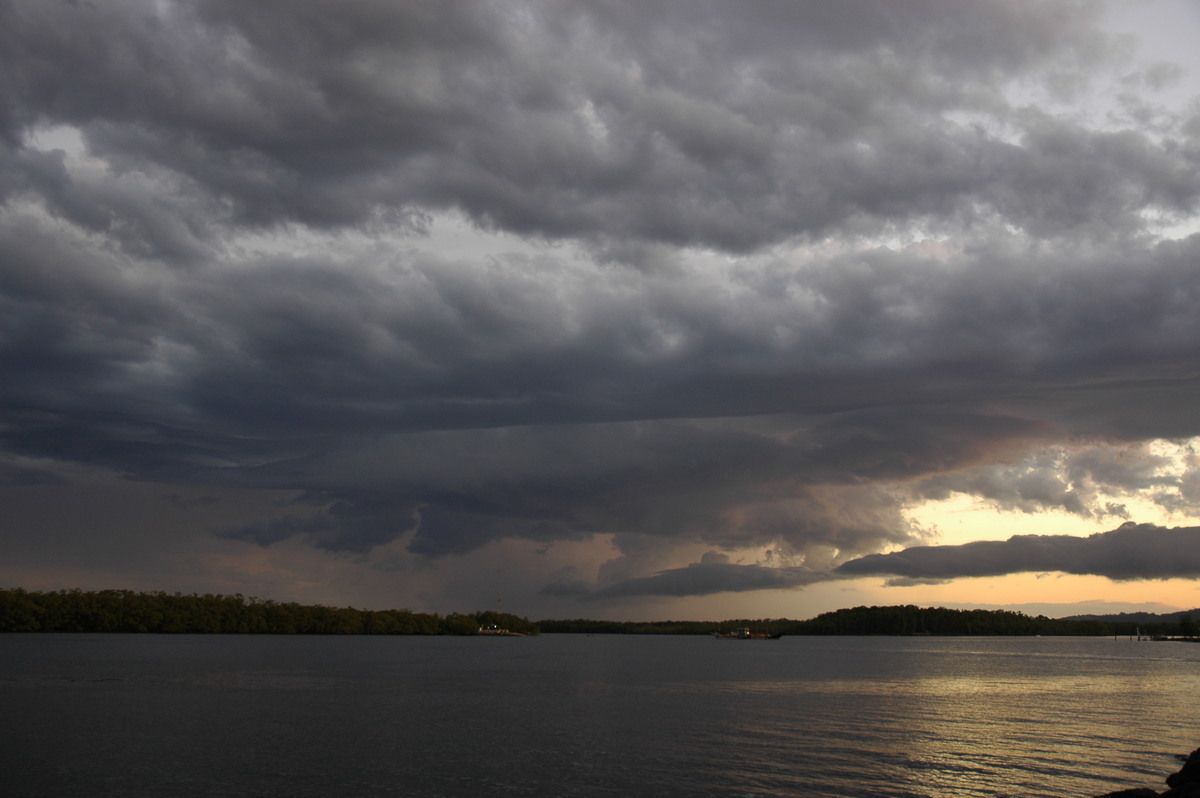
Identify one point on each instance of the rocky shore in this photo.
(1185, 783)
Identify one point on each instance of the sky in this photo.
(651, 310)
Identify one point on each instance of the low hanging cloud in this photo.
(1131, 551)
(699, 579)
(454, 492)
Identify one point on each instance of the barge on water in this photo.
(745, 634)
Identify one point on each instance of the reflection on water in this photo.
(591, 716)
(971, 717)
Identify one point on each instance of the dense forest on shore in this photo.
(128, 611)
(159, 612)
(894, 620)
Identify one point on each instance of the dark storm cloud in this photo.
(702, 579)
(289, 354)
(270, 374)
(354, 524)
(717, 335)
(1131, 551)
(456, 491)
(673, 122)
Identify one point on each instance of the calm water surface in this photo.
(571, 715)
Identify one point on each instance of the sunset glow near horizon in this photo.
(631, 311)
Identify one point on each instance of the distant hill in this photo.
(1138, 617)
(892, 620)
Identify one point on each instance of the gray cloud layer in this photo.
(706, 314)
(1131, 551)
(666, 122)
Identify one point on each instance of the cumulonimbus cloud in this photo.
(736, 276)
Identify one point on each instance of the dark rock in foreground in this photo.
(1183, 784)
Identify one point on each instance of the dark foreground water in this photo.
(570, 715)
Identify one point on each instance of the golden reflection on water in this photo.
(993, 734)
(972, 722)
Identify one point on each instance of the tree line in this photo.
(890, 620)
(159, 612)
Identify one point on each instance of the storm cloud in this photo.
(683, 276)
(701, 579)
(678, 123)
(1131, 551)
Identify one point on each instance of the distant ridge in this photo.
(891, 620)
(1137, 617)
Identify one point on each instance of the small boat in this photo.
(745, 634)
